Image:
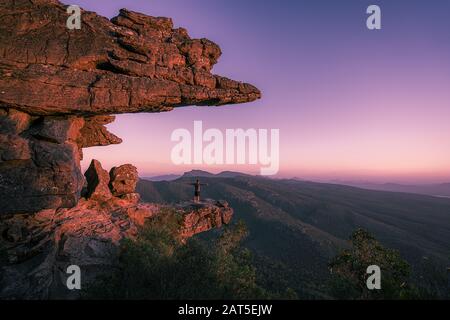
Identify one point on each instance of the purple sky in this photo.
(350, 103)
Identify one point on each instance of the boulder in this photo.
(203, 216)
(123, 179)
(97, 182)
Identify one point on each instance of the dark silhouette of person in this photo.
(197, 185)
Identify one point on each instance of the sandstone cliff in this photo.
(38, 248)
(132, 63)
(58, 89)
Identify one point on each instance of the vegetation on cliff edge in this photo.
(157, 265)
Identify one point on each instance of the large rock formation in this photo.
(58, 88)
(39, 162)
(97, 182)
(38, 248)
(204, 216)
(133, 63)
(123, 179)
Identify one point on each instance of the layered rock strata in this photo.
(36, 249)
(59, 87)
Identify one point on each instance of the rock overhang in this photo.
(131, 63)
(59, 87)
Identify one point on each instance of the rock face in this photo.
(133, 63)
(93, 133)
(123, 179)
(98, 182)
(39, 162)
(36, 249)
(58, 88)
(204, 216)
(39, 247)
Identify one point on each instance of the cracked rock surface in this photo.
(58, 90)
(133, 63)
(38, 248)
(59, 87)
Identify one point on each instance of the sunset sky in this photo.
(350, 103)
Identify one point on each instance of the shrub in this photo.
(157, 265)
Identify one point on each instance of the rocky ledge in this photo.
(131, 63)
(38, 248)
(58, 90)
(59, 87)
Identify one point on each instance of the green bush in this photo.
(157, 265)
(348, 271)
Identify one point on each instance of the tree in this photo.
(157, 265)
(348, 270)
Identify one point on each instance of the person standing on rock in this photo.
(197, 185)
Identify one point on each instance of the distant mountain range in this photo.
(197, 174)
(437, 190)
(297, 226)
(165, 177)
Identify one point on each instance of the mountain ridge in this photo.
(303, 224)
